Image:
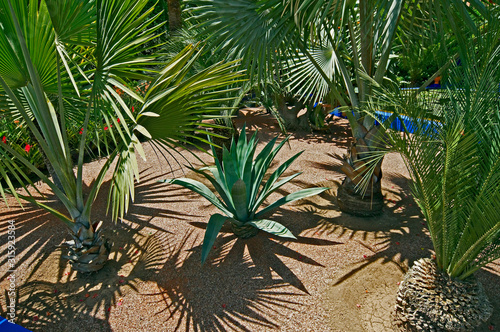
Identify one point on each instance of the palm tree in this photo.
(67, 64)
(322, 49)
(453, 156)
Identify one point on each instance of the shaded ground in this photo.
(341, 274)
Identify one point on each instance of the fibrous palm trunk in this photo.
(429, 300)
(290, 115)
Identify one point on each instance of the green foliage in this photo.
(239, 181)
(69, 72)
(17, 136)
(455, 162)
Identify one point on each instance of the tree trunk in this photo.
(290, 115)
(174, 15)
(429, 300)
(352, 200)
(89, 249)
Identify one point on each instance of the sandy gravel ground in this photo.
(341, 274)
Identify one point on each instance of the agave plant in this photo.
(454, 162)
(239, 180)
(67, 63)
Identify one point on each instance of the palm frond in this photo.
(454, 158)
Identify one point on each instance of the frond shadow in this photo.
(239, 279)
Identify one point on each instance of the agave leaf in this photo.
(213, 228)
(220, 176)
(239, 194)
(290, 198)
(265, 193)
(218, 182)
(241, 146)
(269, 186)
(229, 167)
(261, 164)
(248, 162)
(272, 227)
(201, 189)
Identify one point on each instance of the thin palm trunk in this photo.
(174, 15)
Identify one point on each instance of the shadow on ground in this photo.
(244, 276)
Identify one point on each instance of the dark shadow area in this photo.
(332, 165)
(238, 288)
(338, 132)
(242, 275)
(51, 296)
(55, 298)
(245, 276)
(398, 235)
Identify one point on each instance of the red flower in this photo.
(118, 120)
(27, 148)
(106, 128)
(81, 131)
(4, 139)
(132, 108)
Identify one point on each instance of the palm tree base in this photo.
(244, 231)
(429, 300)
(93, 262)
(89, 250)
(355, 204)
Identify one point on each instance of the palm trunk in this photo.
(89, 250)
(290, 115)
(350, 198)
(429, 300)
(174, 15)
(367, 201)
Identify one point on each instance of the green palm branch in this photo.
(77, 61)
(454, 156)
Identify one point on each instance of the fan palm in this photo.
(322, 49)
(453, 157)
(76, 62)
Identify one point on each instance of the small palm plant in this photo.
(239, 180)
(68, 63)
(454, 162)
